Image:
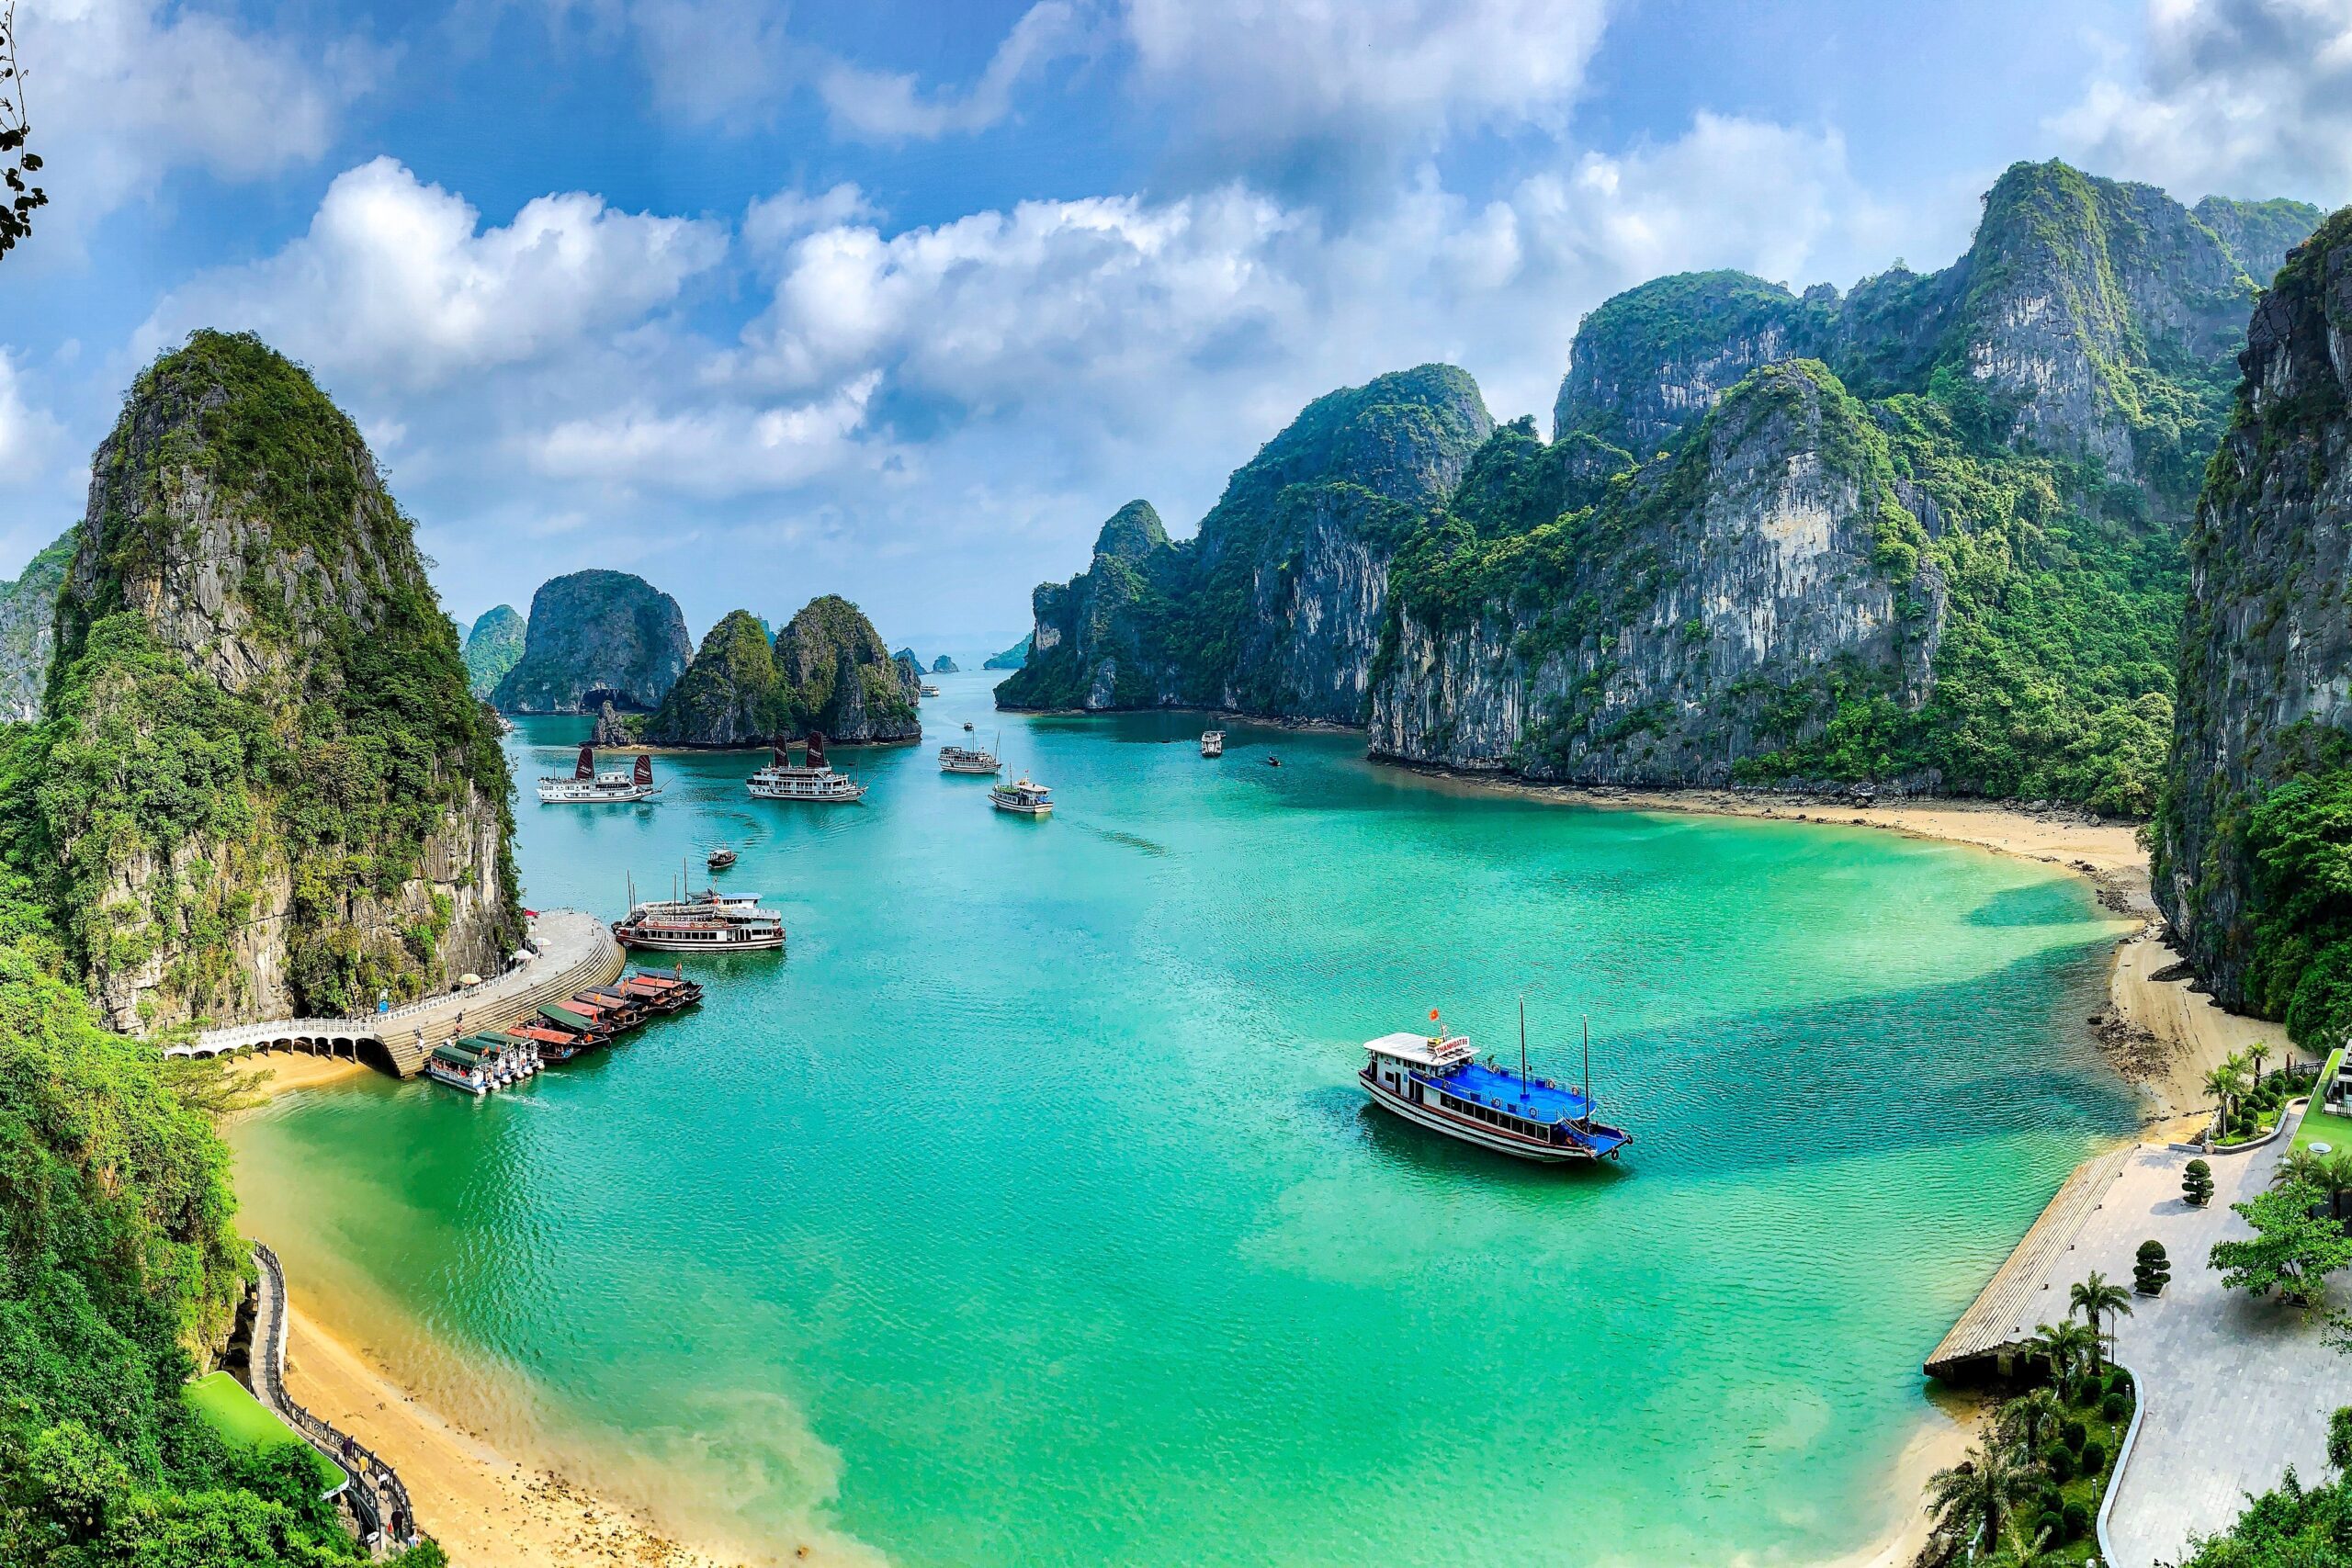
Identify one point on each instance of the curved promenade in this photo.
(378, 1499)
(570, 951)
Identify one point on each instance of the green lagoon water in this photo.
(1027, 1210)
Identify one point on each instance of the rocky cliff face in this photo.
(598, 635)
(730, 695)
(28, 629)
(271, 793)
(1012, 658)
(493, 645)
(839, 680)
(2251, 841)
(1274, 607)
(1652, 637)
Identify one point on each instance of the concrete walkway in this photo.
(2235, 1390)
(574, 950)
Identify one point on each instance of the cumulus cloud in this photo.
(1307, 87)
(2237, 97)
(121, 92)
(397, 282)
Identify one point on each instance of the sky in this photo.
(901, 300)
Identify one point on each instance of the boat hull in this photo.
(599, 798)
(654, 941)
(1468, 1132)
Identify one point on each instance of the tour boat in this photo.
(662, 993)
(584, 1030)
(707, 922)
(721, 859)
(1212, 743)
(781, 780)
(1025, 799)
(968, 760)
(967, 727)
(1437, 1081)
(555, 1044)
(929, 690)
(460, 1069)
(587, 787)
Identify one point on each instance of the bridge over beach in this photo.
(568, 950)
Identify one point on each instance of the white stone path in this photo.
(2235, 1389)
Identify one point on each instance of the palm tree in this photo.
(1971, 1499)
(2330, 1172)
(2255, 1054)
(2015, 1550)
(2065, 1346)
(2223, 1084)
(2030, 1417)
(2097, 1301)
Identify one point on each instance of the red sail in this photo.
(778, 756)
(587, 768)
(816, 748)
(644, 770)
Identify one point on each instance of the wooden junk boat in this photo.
(709, 921)
(586, 786)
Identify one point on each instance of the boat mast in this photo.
(1588, 1065)
(1523, 1045)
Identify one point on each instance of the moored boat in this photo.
(1212, 743)
(1022, 797)
(720, 858)
(782, 779)
(1437, 1081)
(709, 921)
(968, 760)
(586, 786)
(662, 993)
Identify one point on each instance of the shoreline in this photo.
(2158, 1034)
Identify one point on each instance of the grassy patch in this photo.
(2324, 1126)
(246, 1424)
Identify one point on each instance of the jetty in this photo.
(566, 951)
(2002, 1319)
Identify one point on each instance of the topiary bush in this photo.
(2073, 1434)
(2094, 1457)
(2061, 1465)
(2196, 1183)
(2077, 1520)
(2151, 1272)
(2114, 1407)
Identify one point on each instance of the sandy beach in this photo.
(489, 1510)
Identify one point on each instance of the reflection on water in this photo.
(1027, 1211)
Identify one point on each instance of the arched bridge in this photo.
(570, 951)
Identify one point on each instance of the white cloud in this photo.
(1339, 80)
(716, 61)
(728, 450)
(121, 92)
(2236, 98)
(31, 440)
(774, 221)
(884, 106)
(397, 282)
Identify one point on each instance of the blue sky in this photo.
(901, 300)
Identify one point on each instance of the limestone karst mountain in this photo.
(595, 637)
(267, 790)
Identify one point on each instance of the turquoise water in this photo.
(1027, 1211)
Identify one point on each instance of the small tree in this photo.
(2029, 1419)
(1972, 1499)
(2291, 1250)
(2224, 1084)
(2331, 1173)
(2066, 1348)
(2151, 1269)
(2339, 1438)
(2196, 1183)
(20, 200)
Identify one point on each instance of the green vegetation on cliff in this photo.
(730, 694)
(493, 647)
(28, 628)
(837, 677)
(316, 735)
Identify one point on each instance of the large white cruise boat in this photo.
(709, 921)
(586, 786)
(968, 760)
(782, 779)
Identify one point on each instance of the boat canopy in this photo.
(458, 1055)
(568, 1018)
(1420, 1050)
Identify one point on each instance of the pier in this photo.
(570, 951)
(2016, 1299)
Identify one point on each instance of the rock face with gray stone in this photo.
(493, 645)
(839, 680)
(284, 800)
(28, 628)
(2266, 696)
(595, 637)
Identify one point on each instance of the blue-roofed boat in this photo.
(1437, 1081)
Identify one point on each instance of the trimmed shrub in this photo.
(2061, 1465)
(2078, 1521)
(2094, 1457)
(2151, 1272)
(2114, 1407)
(2196, 1183)
(2073, 1434)
(2122, 1382)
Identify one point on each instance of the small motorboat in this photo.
(1212, 743)
(968, 725)
(1273, 761)
(720, 858)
